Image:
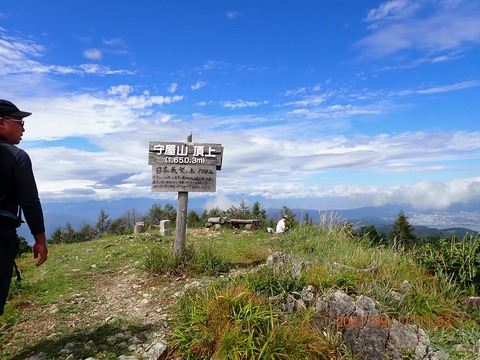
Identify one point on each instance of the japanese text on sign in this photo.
(184, 178)
(185, 153)
(184, 166)
(182, 150)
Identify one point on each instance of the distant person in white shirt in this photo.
(281, 228)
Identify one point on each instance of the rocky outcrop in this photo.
(371, 334)
(367, 332)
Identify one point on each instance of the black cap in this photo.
(7, 108)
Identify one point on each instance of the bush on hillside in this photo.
(202, 262)
(459, 260)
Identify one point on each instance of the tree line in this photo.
(124, 225)
(402, 231)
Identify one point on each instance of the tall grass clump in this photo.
(271, 281)
(341, 260)
(457, 260)
(203, 261)
(235, 323)
(320, 245)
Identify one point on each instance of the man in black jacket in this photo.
(18, 193)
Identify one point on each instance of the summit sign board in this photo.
(184, 167)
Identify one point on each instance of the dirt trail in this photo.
(128, 295)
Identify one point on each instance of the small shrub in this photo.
(206, 262)
(158, 261)
(271, 282)
(201, 262)
(459, 260)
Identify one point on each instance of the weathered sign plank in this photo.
(184, 178)
(184, 167)
(193, 154)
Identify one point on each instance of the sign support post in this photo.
(184, 167)
(181, 225)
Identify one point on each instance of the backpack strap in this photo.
(17, 271)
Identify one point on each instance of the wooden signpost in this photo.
(183, 167)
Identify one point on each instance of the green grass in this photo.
(232, 318)
(235, 323)
(63, 278)
(53, 345)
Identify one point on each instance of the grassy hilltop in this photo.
(87, 293)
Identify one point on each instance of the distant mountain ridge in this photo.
(454, 221)
(383, 217)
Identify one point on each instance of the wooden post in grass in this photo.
(184, 167)
(181, 226)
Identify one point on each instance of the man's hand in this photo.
(40, 248)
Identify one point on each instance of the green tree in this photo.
(370, 232)
(244, 210)
(56, 237)
(259, 214)
(130, 218)
(68, 233)
(25, 247)
(155, 215)
(308, 219)
(86, 233)
(120, 226)
(103, 222)
(240, 212)
(402, 231)
(215, 212)
(170, 213)
(193, 220)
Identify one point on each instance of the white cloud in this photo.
(19, 56)
(116, 42)
(399, 25)
(254, 159)
(93, 54)
(393, 9)
(422, 195)
(122, 90)
(310, 100)
(437, 195)
(232, 14)
(452, 87)
(239, 104)
(172, 88)
(198, 85)
(92, 114)
(220, 201)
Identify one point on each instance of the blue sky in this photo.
(318, 104)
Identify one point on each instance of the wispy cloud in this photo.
(399, 25)
(452, 87)
(240, 104)
(93, 54)
(23, 56)
(198, 85)
(93, 114)
(392, 10)
(115, 42)
(233, 14)
(172, 88)
(311, 100)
